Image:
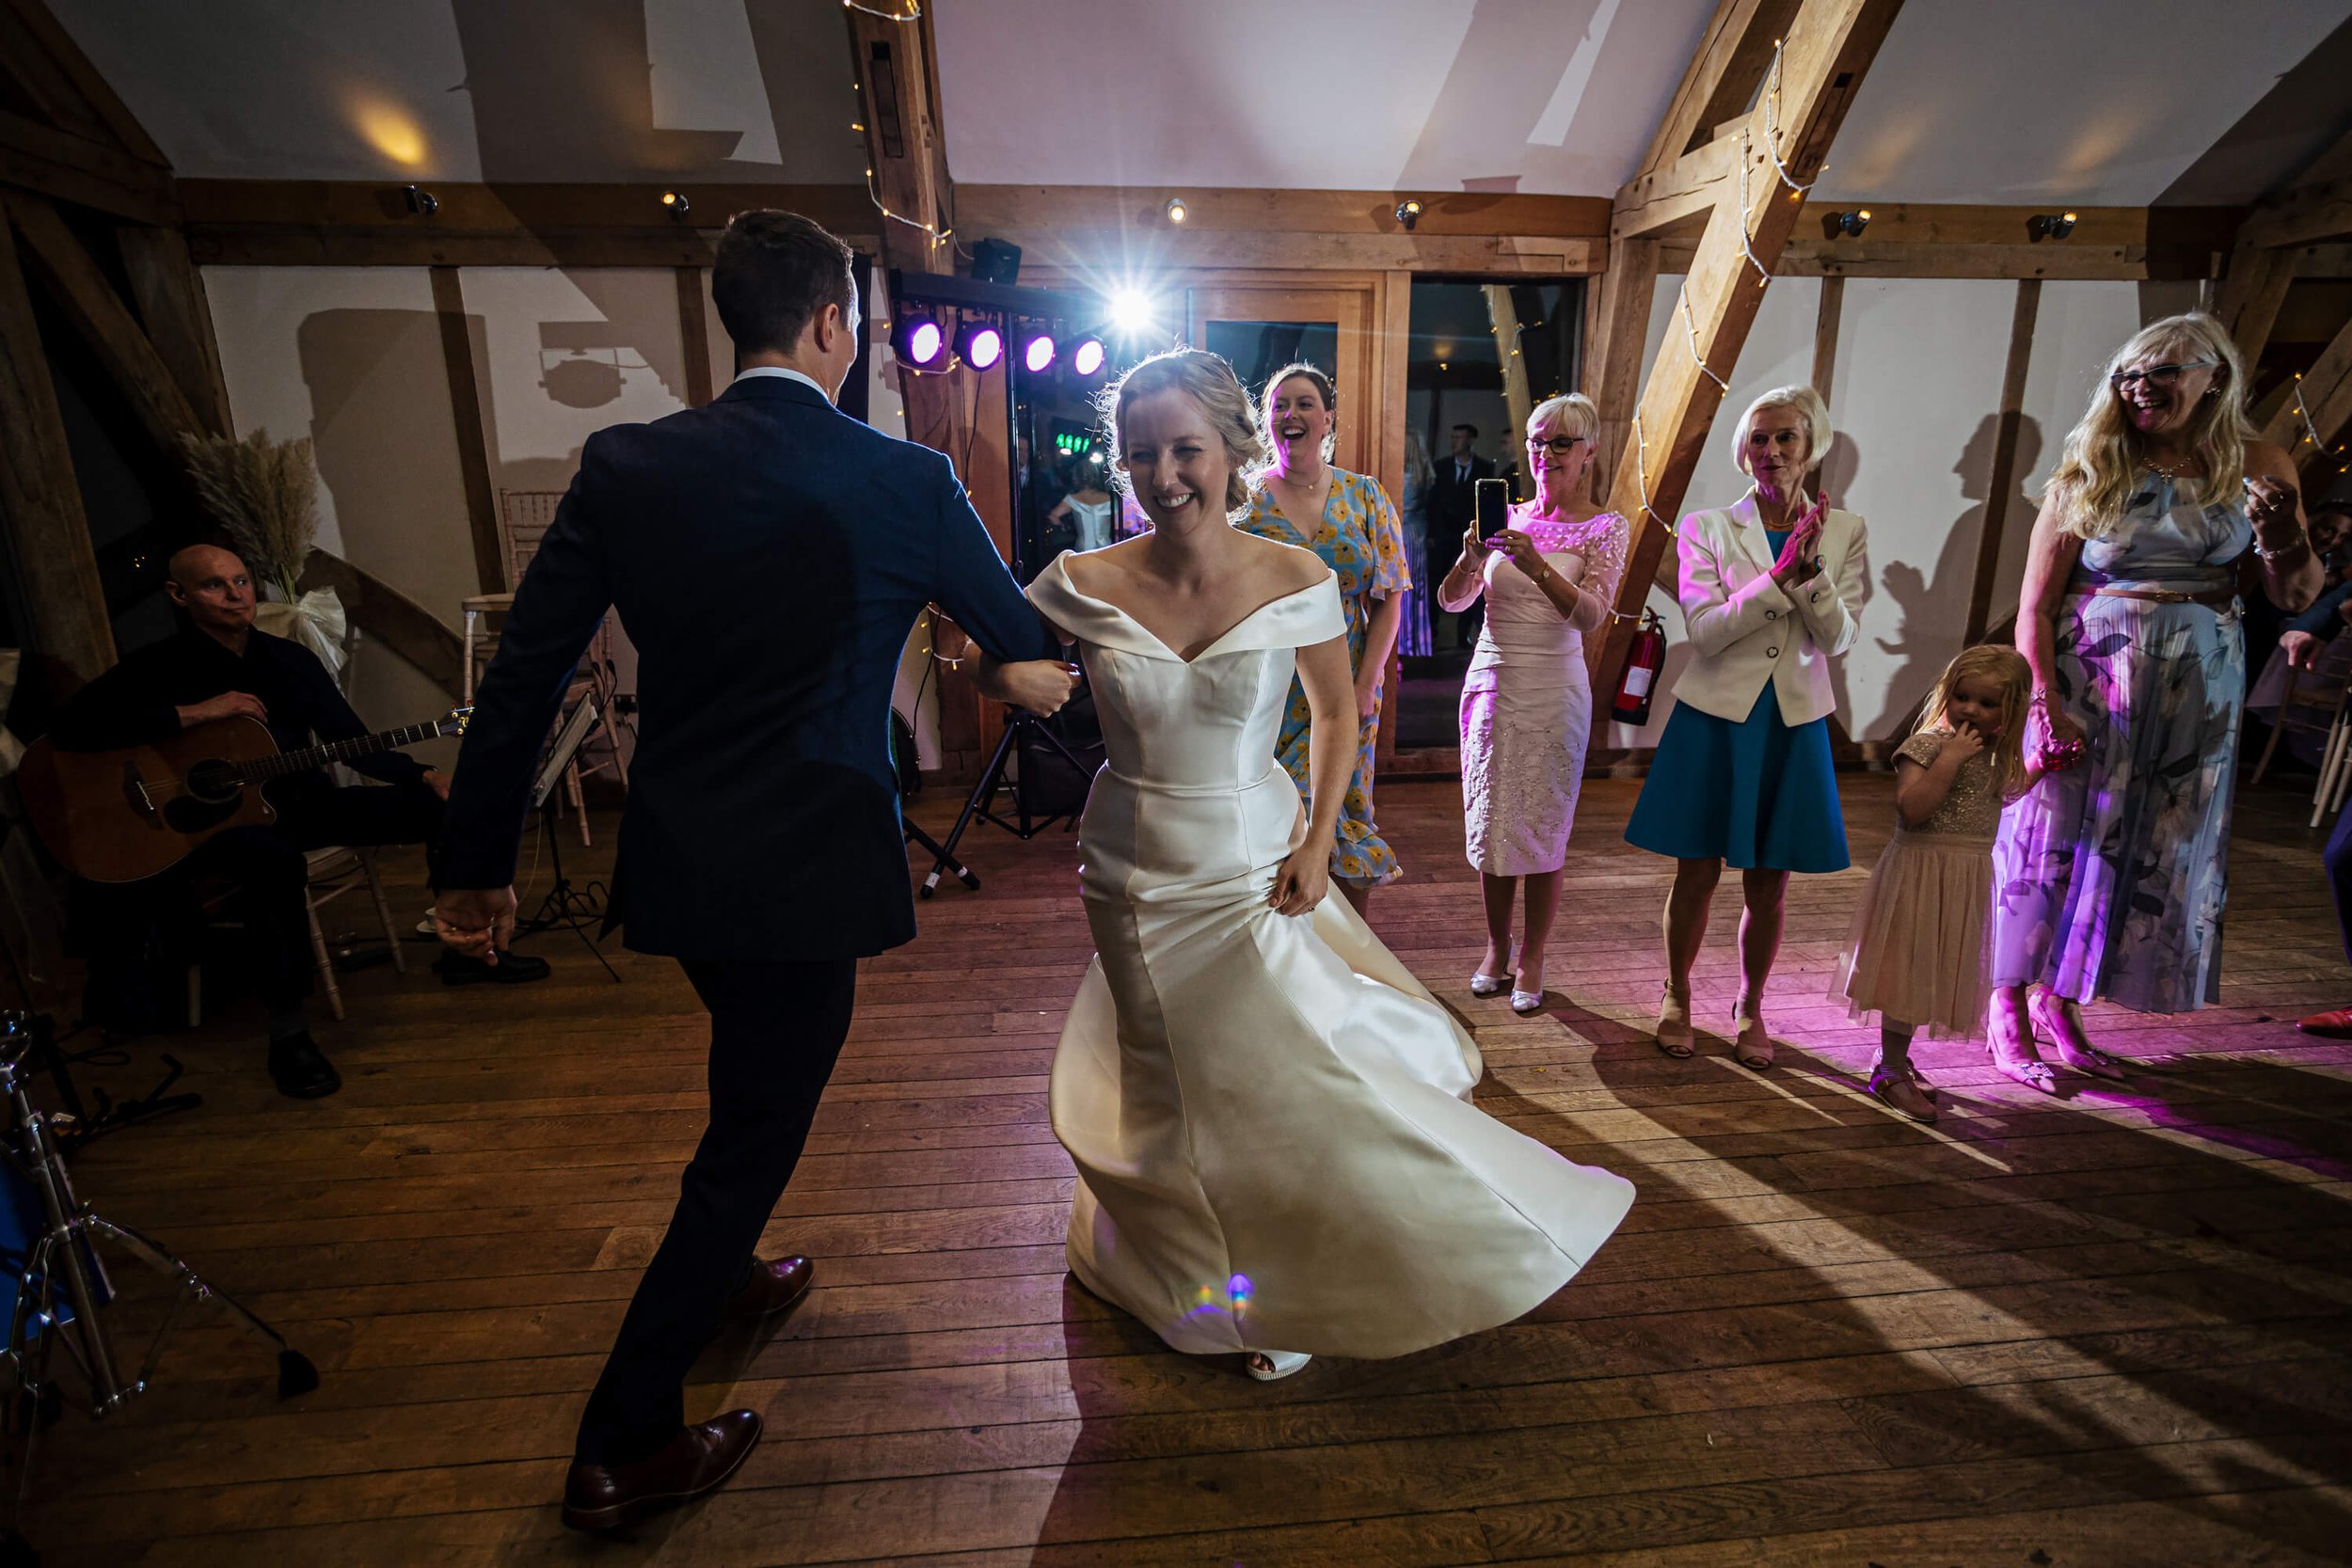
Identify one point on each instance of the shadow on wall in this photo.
(1835, 480)
(1934, 610)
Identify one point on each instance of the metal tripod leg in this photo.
(983, 796)
(940, 857)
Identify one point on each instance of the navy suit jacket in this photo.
(768, 555)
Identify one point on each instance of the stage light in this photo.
(1131, 312)
(1086, 358)
(2050, 225)
(980, 345)
(421, 201)
(1176, 209)
(1852, 223)
(676, 204)
(918, 341)
(1037, 353)
(1408, 214)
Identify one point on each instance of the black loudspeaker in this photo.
(995, 261)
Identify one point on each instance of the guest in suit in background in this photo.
(769, 556)
(1453, 507)
(1772, 591)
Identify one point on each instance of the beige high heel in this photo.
(1673, 1024)
(2057, 1022)
(2014, 1058)
(1752, 1044)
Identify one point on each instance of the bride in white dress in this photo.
(1270, 1116)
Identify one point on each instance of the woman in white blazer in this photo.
(1772, 591)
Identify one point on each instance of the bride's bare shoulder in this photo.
(1286, 568)
(1088, 570)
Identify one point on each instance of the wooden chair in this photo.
(333, 872)
(2314, 707)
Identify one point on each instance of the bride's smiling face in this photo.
(1175, 459)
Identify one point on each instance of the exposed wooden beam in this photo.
(2305, 216)
(391, 617)
(1729, 62)
(40, 500)
(368, 223)
(1011, 211)
(1163, 250)
(2001, 480)
(69, 167)
(1829, 47)
(169, 293)
(1678, 199)
(87, 300)
(1827, 318)
(1613, 376)
(32, 22)
(2251, 291)
(2325, 391)
(693, 324)
(473, 454)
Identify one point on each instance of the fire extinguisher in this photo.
(1643, 660)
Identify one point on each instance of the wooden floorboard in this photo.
(2113, 1327)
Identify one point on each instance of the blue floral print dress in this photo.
(1361, 539)
(2108, 877)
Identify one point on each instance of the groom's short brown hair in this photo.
(775, 273)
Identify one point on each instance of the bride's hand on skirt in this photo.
(1301, 881)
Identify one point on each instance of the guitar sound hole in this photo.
(213, 780)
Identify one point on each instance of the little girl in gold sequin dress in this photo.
(1917, 951)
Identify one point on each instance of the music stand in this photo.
(564, 905)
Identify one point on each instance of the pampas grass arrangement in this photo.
(266, 494)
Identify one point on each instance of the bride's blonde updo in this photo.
(1209, 381)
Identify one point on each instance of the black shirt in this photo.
(137, 700)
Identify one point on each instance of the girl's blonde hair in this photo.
(2100, 472)
(2006, 667)
(1325, 388)
(1209, 381)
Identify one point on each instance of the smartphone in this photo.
(1494, 507)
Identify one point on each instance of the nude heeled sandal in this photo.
(1673, 1024)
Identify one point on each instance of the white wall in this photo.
(1916, 391)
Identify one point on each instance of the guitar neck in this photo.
(339, 751)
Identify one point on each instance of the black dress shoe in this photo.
(776, 1285)
(698, 1460)
(301, 1069)
(512, 969)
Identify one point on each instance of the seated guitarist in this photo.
(220, 666)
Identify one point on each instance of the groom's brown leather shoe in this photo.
(698, 1460)
(776, 1286)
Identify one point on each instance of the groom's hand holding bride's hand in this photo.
(1302, 879)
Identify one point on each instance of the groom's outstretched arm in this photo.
(562, 601)
(971, 583)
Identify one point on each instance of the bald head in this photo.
(213, 586)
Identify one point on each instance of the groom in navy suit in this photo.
(769, 556)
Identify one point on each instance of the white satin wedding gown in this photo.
(1270, 1116)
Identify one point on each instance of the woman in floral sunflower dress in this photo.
(1348, 520)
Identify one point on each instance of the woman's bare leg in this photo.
(1543, 902)
(1497, 891)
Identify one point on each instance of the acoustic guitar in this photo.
(121, 816)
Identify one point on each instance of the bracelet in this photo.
(2300, 541)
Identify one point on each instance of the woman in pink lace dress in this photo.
(1526, 706)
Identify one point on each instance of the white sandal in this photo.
(1483, 984)
(1268, 1366)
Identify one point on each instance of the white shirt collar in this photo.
(787, 375)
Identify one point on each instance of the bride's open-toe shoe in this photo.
(1267, 1366)
(1752, 1043)
(1674, 1024)
(2058, 1025)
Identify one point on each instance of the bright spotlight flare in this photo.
(1131, 312)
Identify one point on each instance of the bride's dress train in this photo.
(1270, 1116)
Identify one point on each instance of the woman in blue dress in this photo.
(2108, 876)
(1347, 519)
(1772, 591)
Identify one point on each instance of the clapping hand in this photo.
(1800, 558)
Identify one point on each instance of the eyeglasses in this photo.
(2157, 377)
(1559, 446)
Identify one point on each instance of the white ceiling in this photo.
(2094, 101)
